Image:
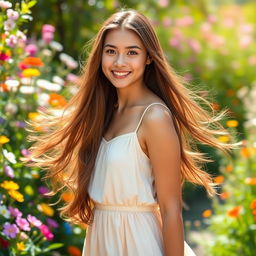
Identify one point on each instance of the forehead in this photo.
(122, 38)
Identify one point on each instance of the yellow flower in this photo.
(46, 209)
(29, 190)
(16, 195)
(223, 138)
(232, 123)
(29, 72)
(9, 185)
(21, 246)
(33, 115)
(4, 139)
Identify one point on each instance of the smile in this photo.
(120, 74)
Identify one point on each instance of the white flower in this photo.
(47, 52)
(64, 57)
(13, 15)
(5, 4)
(11, 108)
(56, 46)
(26, 80)
(72, 64)
(12, 83)
(43, 99)
(45, 84)
(242, 92)
(27, 89)
(9, 156)
(4, 212)
(58, 80)
(9, 25)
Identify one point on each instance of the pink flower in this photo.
(4, 57)
(9, 171)
(48, 28)
(194, 45)
(47, 37)
(13, 15)
(46, 232)
(31, 49)
(252, 60)
(23, 224)
(10, 230)
(212, 18)
(245, 41)
(34, 221)
(71, 77)
(167, 22)
(43, 190)
(9, 25)
(11, 40)
(15, 212)
(184, 21)
(5, 4)
(163, 3)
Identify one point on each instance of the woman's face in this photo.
(124, 58)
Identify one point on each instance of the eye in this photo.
(110, 51)
(133, 52)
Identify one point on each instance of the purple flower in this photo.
(8, 171)
(23, 224)
(20, 124)
(34, 221)
(15, 212)
(52, 223)
(31, 49)
(13, 15)
(10, 230)
(43, 190)
(25, 152)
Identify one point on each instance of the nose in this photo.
(120, 60)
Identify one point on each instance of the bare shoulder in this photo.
(157, 119)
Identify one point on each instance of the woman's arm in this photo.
(164, 152)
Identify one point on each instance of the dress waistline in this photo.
(138, 208)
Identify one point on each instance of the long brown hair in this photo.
(68, 149)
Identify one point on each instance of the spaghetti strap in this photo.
(145, 112)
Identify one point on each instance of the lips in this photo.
(120, 74)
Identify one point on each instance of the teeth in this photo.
(121, 73)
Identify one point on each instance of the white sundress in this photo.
(127, 219)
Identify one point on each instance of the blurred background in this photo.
(210, 43)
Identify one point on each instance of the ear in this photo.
(149, 60)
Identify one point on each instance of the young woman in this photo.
(125, 145)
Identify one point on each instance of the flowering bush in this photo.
(31, 78)
(234, 221)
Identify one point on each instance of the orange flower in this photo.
(57, 100)
(74, 251)
(215, 106)
(250, 181)
(245, 152)
(67, 196)
(4, 87)
(234, 212)
(207, 213)
(229, 168)
(219, 179)
(32, 61)
(230, 92)
(253, 204)
(254, 212)
(224, 195)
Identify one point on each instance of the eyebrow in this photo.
(128, 47)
